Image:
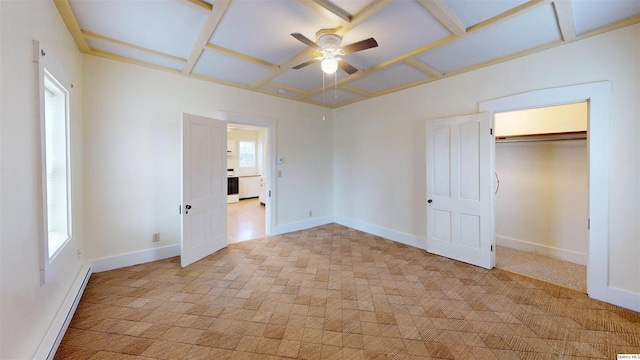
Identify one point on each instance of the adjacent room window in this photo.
(56, 164)
(246, 153)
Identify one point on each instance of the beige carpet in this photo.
(542, 267)
(335, 293)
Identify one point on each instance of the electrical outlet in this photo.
(156, 237)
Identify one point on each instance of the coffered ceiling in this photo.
(248, 43)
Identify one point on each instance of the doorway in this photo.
(598, 96)
(541, 193)
(266, 153)
(247, 161)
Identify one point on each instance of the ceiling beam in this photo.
(91, 36)
(335, 10)
(507, 14)
(427, 69)
(242, 56)
(199, 5)
(108, 55)
(295, 60)
(69, 18)
(444, 16)
(356, 91)
(210, 25)
(564, 13)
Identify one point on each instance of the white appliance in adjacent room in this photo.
(263, 190)
(233, 186)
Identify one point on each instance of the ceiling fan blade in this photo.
(305, 40)
(359, 46)
(348, 68)
(301, 65)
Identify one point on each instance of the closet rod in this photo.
(536, 140)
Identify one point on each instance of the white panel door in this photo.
(204, 187)
(459, 189)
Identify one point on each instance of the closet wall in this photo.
(541, 203)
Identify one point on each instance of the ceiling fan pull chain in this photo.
(335, 85)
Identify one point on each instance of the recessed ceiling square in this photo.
(225, 67)
(262, 29)
(472, 12)
(533, 28)
(388, 78)
(589, 15)
(399, 28)
(165, 26)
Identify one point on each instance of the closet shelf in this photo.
(560, 136)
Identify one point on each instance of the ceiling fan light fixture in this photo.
(329, 65)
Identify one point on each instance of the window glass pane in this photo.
(56, 166)
(246, 153)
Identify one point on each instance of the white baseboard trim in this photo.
(55, 333)
(386, 233)
(620, 297)
(135, 258)
(302, 225)
(550, 251)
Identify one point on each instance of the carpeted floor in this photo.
(542, 267)
(333, 292)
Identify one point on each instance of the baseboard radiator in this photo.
(53, 337)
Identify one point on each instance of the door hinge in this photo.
(588, 223)
(179, 209)
(269, 193)
(491, 131)
(492, 247)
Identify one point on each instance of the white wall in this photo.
(132, 152)
(546, 120)
(541, 204)
(380, 143)
(27, 308)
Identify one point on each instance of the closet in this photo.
(542, 168)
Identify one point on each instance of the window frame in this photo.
(254, 162)
(47, 67)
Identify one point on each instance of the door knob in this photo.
(187, 207)
(429, 201)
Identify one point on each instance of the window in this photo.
(247, 153)
(56, 165)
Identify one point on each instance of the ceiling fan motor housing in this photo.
(330, 44)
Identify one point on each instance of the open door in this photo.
(204, 187)
(459, 189)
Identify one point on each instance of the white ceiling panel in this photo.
(161, 25)
(391, 77)
(589, 15)
(533, 28)
(136, 55)
(352, 7)
(262, 29)
(398, 28)
(221, 66)
(472, 12)
(308, 78)
(334, 96)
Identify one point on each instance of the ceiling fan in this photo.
(328, 45)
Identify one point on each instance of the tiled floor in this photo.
(245, 220)
(332, 292)
(542, 267)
